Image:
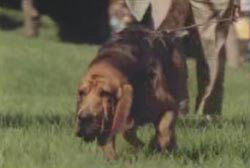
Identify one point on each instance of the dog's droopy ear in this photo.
(122, 109)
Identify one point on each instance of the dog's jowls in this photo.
(136, 78)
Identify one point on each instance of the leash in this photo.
(234, 16)
(230, 20)
(182, 31)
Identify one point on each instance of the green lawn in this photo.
(38, 81)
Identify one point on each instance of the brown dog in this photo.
(135, 79)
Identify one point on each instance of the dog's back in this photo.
(135, 51)
(146, 59)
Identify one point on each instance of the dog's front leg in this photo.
(108, 149)
(131, 137)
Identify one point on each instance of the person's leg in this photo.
(232, 49)
(210, 66)
(177, 14)
(31, 18)
(178, 79)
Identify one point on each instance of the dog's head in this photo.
(102, 107)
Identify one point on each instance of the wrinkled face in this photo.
(95, 104)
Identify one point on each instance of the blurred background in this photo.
(76, 21)
(93, 21)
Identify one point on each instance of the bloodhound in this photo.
(135, 79)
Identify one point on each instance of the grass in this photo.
(38, 80)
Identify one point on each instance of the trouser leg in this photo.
(31, 18)
(210, 65)
(180, 78)
(210, 76)
(232, 49)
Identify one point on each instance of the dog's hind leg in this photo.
(131, 137)
(165, 133)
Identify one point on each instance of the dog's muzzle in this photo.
(87, 128)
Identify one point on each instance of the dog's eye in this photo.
(81, 93)
(105, 94)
